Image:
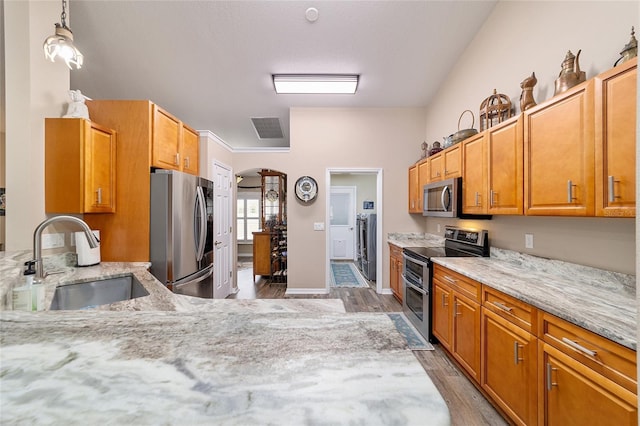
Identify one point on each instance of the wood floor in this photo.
(466, 404)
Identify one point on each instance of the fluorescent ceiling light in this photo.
(309, 83)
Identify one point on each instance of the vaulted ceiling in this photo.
(210, 62)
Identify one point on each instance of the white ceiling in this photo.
(210, 62)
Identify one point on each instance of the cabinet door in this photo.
(505, 168)
(261, 253)
(474, 182)
(423, 179)
(436, 170)
(414, 205)
(100, 171)
(559, 155)
(442, 314)
(167, 131)
(573, 394)
(466, 334)
(400, 294)
(616, 141)
(509, 365)
(190, 148)
(452, 162)
(393, 275)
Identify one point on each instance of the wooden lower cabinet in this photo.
(536, 368)
(466, 334)
(456, 317)
(261, 254)
(441, 314)
(509, 367)
(573, 394)
(395, 274)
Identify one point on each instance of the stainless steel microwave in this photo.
(443, 198)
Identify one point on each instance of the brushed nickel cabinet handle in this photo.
(503, 307)
(612, 189)
(186, 162)
(99, 192)
(579, 347)
(550, 382)
(516, 355)
(177, 159)
(477, 196)
(570, 196)
(448, 278)
(492, 198)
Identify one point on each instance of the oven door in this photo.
(415, 301)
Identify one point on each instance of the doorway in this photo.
(261, 217)
(368, 183)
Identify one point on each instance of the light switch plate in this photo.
(318, 226)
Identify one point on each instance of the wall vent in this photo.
(267, 127)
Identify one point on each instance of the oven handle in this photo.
(418, 289)
(413, 260)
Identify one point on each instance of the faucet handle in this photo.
(30, 265)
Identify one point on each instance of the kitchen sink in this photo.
(95, 293)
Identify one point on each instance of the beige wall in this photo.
(35, 89)
(323, 138)
(212, 149)
(365, 188)
(517, 39)
(2, 124)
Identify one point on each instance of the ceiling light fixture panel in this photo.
(316, 83)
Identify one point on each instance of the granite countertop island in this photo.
(176, 360)
(600, 301)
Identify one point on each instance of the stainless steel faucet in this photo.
(37, 239)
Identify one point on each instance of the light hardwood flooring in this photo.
(466, 404)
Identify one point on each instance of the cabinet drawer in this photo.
(395, 251)
(513, 310)
(460, 283)
(596, 352)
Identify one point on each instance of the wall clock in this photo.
(306, 189)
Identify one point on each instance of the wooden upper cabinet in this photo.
(190, 148)
(452, 162)
(505, 167)
(436, 169)
(167, 136)
(615, 134)
(474, 170)
(559, 154)
(80, 167)
(414, 190)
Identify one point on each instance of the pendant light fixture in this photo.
(60, 45)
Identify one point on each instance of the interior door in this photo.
(342, 216)
(222, 232)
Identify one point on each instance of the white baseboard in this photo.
(386, 291)
(292, 291)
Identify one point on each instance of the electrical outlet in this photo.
(528, 241)
(318, 226)
(54, 240)
(439, 229)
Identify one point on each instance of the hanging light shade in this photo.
(60, 45)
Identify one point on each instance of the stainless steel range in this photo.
(417, 271)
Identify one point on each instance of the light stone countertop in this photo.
(600, 301)
(176, 360)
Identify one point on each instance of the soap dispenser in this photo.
(22, 299)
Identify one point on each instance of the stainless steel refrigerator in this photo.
(181, 232)
(366, 244)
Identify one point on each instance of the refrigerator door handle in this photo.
(202, 235)
(200, 276)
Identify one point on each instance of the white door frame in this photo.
(379, 221)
